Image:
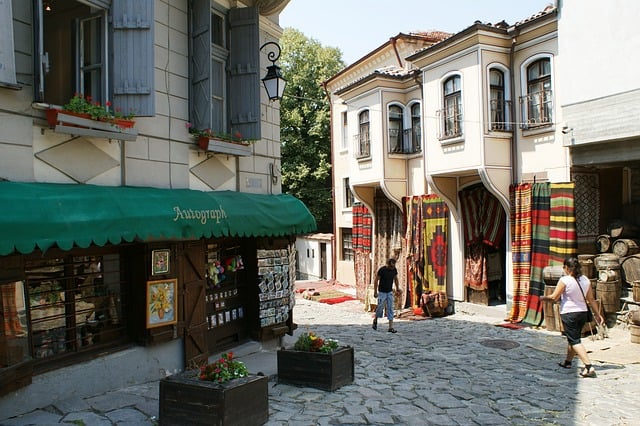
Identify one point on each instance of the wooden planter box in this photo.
(82, 125)
(224, 147)
(186, 400)
(316, 369)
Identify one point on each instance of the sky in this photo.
(358, 27)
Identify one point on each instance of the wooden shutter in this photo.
(7, 54)
(132, 63)
(200, 114)
(244, 72)
(192, 283)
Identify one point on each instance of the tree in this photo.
(305, 123)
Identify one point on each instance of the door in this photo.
(192, 277)
(323, 261)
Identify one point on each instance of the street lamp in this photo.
(273, 82)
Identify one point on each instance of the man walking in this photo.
(383, 290)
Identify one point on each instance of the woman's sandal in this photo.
(565, 364)
(588, 371)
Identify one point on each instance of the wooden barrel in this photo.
(594, 282)
(603, 243)
(609, 274)
(551, 316)
(609, 295)
(634, 331)
(636, 291)
(626, 247)
(607, 261)
(551, 274)
(635, 317)
(622, 229)
(586, 264)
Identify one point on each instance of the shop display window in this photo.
(14, 332)
(75, 303)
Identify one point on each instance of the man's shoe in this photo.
(375, 323)
(392, 330)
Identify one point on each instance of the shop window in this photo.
(347, 245)
(14, 331)
(76, 304)
(81, 47)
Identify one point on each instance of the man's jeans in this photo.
(385, 298)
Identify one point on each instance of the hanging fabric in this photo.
(361, 240)
(562, 232)
(520, 201)
(540, 214)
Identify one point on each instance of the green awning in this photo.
(41, 215)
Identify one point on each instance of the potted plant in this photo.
(226, 143)
(219, 393)
(316, 362)
(84, 107)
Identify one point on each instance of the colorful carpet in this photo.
(335, 300)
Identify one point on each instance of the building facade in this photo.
(137, 246)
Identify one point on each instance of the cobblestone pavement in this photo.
(457, 370)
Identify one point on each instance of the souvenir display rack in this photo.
(226, 295)
(276, 277)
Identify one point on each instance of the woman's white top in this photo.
(571, 299)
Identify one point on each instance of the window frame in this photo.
(454, 119)
(346, 245)
(395, 127)
(506, 124)
(546, 105)
(349, 198)
(363, 137)
(344, 143)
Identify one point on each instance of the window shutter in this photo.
(200, 114)
(244, 69)
(132, 56)
(7, 55)
(102, 4)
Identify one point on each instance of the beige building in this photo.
(482, 108)
(132, 252)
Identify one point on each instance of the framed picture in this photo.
(162, 303)
(160, 262)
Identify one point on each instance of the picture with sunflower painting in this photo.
(161, 303)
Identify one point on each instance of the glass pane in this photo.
(395, 112)
(415, 111)
(75, 303)
(496, 78)
(14, 333)
(364, 117)
(217, 30)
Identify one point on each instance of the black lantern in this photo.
(273, 82)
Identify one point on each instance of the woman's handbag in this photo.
(589, 313)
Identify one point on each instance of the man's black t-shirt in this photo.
(386, 279)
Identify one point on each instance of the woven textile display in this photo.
(361, 236)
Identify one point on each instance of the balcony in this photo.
(537, 110)
(500, 113)
(362, 146)
(405, 141)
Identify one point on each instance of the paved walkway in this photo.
(458, 370)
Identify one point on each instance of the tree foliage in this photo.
(305, 122)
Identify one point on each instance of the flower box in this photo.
(224, 147)
(81, 124)
(186, 400)
(326, 371)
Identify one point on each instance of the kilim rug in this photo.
(521, 236)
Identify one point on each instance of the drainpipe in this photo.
(512, 83)
(393, 41)
(333, 183)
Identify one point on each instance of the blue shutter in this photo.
(244, 69)
(200, 106)
(132, 56)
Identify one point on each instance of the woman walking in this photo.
(574, 292)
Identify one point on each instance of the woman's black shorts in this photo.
(573, 323)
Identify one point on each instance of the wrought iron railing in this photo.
(537, 109)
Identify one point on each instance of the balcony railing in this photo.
(405, 141)
(537, 109)
(500, 113)
(362, 145)
(449, 123)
